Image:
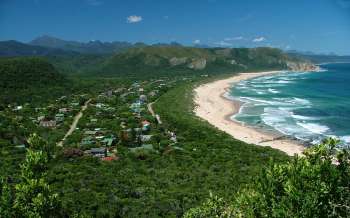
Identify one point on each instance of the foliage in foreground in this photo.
(31, 196)
(314, 185)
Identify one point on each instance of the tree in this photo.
(314, 185)
(38, 144)
(6, 199)
(33, 196)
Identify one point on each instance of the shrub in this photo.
(314, 185)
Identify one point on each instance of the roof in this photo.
(98, 150)
(108, 141)
(147, 146)
(111, 158)
(145, 122)
(146, 137)
(89, 132)
(49, 123)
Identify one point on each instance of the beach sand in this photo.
(211, 105)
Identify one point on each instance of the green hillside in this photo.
(28, 79)
(152, 61)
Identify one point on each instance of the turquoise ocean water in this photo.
(308, 106)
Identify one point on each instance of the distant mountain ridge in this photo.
(139, 59)
(14, 48)
(91, 47)
(320, 58)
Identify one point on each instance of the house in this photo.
(100, 105)
(172, 136)
(152, 93)
(21, 146)
(40, 118)
(143, 98)
(93, 120)
(109, 93)
(109, 141)
(119, 90)
(98, 152)
(87, 141)
(75, 104)
(145, 147)
(136, 107)
(110, 158)
(126, 94)
(135, 85)
(99, 137)
(59, 117)
(48, 124)
(18, 108)
(90, 132)
(146, 138)
(64, 110)
(146, 125)
(123, 124)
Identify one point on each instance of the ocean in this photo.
(308, 106)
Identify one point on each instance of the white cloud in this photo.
(133, 19)
(234, 38)
(166, 17)
(223, 44)
(288, 47)
(94, 2)
(246, 17)
(197, 41)
(259, 39)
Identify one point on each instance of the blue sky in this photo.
(308, 25)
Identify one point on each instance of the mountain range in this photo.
(91, 47)
(49, 46)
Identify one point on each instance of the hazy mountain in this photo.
(320, 58)
(13, 48)
(91, 47)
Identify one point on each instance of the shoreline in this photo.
(214, 107)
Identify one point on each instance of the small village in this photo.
(99, 125)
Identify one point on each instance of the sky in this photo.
(320, 26)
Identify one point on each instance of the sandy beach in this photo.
(217, 110)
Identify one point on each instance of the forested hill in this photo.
(26, 79)
(175, 60)
(122, 59)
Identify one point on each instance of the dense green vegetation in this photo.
(166, 181)
(314, 185)
(164, 184)
(29, 79)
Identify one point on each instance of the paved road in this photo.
(76, 119)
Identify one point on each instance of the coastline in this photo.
(214, 107)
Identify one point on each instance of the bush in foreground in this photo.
(314, 185)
